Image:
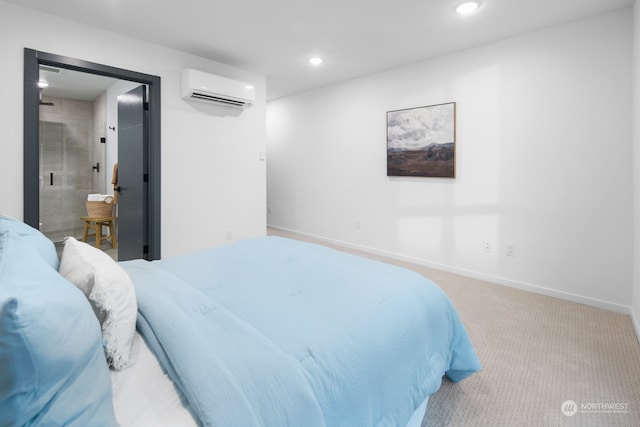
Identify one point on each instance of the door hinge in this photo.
(145, 177)
(145, 106)
(145, 249)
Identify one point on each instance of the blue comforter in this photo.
(277, 332)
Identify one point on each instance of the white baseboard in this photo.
(636, 323)
(593, 302)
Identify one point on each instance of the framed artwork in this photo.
(421, 141)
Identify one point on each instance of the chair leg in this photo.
(85, 231)
(98, 228)
(112, 232)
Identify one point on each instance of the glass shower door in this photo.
(51, 174)
(71, 165)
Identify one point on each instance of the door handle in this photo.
(96, 168)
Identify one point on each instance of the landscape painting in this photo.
(421, 141)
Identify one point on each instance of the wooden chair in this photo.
(96, 225)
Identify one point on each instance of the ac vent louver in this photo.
(217, 99)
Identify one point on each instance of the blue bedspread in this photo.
(277, 332)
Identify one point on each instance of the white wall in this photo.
(544, 147)
(636, 159)
(212, 177)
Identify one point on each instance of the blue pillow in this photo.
(42, 243)
(54, 372)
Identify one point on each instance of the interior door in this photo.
(132, 183)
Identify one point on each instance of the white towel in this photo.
(96, 197)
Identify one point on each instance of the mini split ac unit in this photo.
(204, 87)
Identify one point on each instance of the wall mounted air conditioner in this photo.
(204, 87)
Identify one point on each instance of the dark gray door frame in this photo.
(32, 60)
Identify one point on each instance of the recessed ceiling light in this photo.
(315, 61)
(467, 8)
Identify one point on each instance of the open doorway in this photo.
(41, 124)
(79, 155)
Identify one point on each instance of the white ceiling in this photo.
(71, 84)
(355, 37)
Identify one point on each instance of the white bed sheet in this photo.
(144, 396)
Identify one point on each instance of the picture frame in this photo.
(421, 141)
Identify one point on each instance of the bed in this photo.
(265, 331)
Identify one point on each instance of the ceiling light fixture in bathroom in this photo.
(467, 8)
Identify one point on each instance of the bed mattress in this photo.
(145, 396)
(281, 332)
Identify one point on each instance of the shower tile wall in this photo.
(66, 174)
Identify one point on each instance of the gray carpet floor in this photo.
(546, 361)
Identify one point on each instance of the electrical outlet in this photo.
(269, 209)
(357, 224)
(229, 235)
(487, 246)
(510, 250)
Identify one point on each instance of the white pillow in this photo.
(111, 293)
